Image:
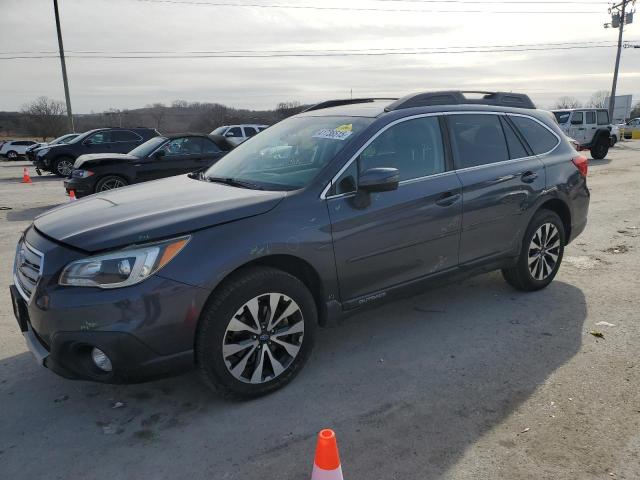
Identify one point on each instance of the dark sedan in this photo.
(159, 157)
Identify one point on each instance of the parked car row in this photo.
(159, 157)
(346, 205)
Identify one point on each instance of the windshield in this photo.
(562, 117)
(147, 147)
(219, 130)
(82, 136)
(63, 139)
(288, 155)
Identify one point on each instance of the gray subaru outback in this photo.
(342, 207)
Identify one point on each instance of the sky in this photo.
(424, 31)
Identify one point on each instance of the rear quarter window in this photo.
(539, 138)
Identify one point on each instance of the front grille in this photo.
(28, 269)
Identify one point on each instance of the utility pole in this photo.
(64, 68)
(622, 8)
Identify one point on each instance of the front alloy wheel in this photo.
(256, 332)
(263, 338)
(63, 167)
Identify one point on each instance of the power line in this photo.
(362, 9)
(108, 52)
(312, 54)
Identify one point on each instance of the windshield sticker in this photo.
(339, 133)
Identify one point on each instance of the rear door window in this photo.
(590, 117)
(603, 117)
(516, 149)
(209, 147)
(125, 136)
(539, 137)
(477, 139)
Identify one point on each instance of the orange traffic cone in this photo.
(25, 176)
(72, 196)
(327, 462)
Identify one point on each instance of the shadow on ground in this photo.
(408, 387)
(27, 214)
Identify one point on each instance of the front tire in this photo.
(255, 333)
(62, 166)
(12, 155)
(540, 255)
(110, 182)
(613, 141)
(600, 149)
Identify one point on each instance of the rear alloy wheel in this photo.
(12, 155)
(110, 182)
(255, 333)
(62, 166)
(600, 149)
(541, 253)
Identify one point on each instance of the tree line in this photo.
(46, 117)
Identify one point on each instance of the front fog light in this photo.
(101, 360)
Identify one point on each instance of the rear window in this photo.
(603, 117)
(539, 138)
(562, 117)
(477, 140)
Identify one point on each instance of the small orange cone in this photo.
(72, 196)
(327, 462)
(25, 176)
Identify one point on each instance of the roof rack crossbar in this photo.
(457, 97)
(340, 102)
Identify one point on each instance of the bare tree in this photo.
(286, 109)
(45, 117)
(157, 112)
(598, 99)
(179, 104)
(567, 102)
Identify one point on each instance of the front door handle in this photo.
(529, 177)
(447, 198)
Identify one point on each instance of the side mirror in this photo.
(229, 134)
(379, 179)
(576, 122)
(375, 180)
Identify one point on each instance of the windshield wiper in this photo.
(235, 182)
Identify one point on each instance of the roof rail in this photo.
(457, 97)
(338, 103)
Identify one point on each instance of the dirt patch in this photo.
(617, 249)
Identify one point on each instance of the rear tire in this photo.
(110, 182)
(62, 166)
(240, 357)
(600, 149)
(12, 155)
(540, 255)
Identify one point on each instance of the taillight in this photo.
(582, 164)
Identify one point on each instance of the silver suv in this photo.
(590, 127)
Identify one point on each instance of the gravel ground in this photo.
(471, 381)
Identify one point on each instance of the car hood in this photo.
(94, 158)
(152, 210)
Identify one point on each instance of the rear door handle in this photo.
(529, 177)
(447, 198)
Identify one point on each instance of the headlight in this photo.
(123, 268)
(43, 152)
(81, 173)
